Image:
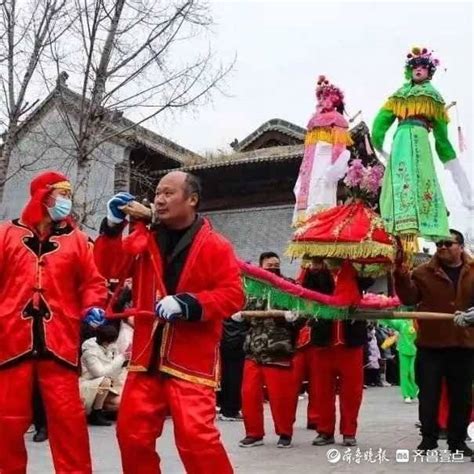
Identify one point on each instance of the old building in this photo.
(248, 194)
(44, 141)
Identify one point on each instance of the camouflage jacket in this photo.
(269, 340)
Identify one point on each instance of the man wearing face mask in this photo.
(316, 277)
(48, 283)
(269, 348)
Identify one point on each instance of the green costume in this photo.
(411, 202)
(407, 353)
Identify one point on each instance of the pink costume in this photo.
(325, 155)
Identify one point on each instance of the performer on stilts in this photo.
(412, 203)
(325, 154)
(48, 283)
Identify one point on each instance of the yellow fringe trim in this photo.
(410, 247)
(340, 250)
(137, 368)
(190, 378)
(303, 215)
(333, 135)
(66, 185)
(405, 108)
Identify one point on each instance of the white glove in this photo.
(168, 309)
(385, 155)
(290, 316)
(461, 181)
(338, 169)
(464, 318)
(237, 317)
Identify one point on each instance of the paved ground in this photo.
(386, 424)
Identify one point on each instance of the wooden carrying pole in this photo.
(383, 314)
(360, 314)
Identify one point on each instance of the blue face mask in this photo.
(61, 209)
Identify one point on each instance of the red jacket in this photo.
(58, 275)
(189, 350)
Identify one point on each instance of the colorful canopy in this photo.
(350, 232)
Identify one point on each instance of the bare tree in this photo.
(27, 29)
(139, 55)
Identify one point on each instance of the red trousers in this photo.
(282, 395)
(304, 368)
(146, 401)
(67, 427)
(443, 412)
(347, 364)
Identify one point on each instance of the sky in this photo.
(282, 46)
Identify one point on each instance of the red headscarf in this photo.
(40, 187)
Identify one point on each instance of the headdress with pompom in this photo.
(40, 187)
(420, 57)
(325, 89)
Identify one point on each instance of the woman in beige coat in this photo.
(103, 374)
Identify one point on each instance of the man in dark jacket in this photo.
(339, 364)
(444, 284)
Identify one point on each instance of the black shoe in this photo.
(323, 440)
(41, 435)
(443, 434)
(110, 415)
(311, 426)
(250, 442)
(349, 441)
(284, 442)
(97, 418)
(427, 444)
(237, 417)
(461, 448)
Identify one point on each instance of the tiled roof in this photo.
(275, 153)
(119, 127)
(280, 125)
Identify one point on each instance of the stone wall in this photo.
(257, 230)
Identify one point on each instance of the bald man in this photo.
(188, 275)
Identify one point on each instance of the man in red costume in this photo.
(187, 274)
(338, 361)
(48, 281)
(317, 278)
